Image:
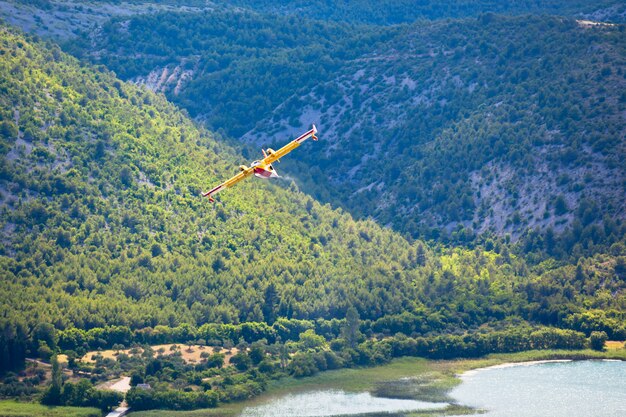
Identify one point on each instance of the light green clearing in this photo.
(429, 381)
(10, 408)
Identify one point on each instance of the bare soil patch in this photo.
(189, 353)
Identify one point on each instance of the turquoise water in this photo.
(555, 389)
(563, 389)
(335, 403)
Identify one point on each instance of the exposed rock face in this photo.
(446, 135)
(171, 78)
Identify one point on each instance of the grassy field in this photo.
(413, 378)
(17, 409)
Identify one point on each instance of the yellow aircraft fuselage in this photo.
(263, 168)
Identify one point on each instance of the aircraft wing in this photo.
(245, 173)
(273, 156)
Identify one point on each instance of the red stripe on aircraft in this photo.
(213, 191)
(262, 172)
(304, 136)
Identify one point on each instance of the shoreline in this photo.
(432, 378)
(574, 356)
(493, 383)
(515, 364)
(451, 404)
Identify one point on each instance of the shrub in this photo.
(597, 340)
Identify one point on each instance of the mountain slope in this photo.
(491, 125)
(59, 19)
(62, 20)
(106, 242)
(102, 224)
(228, 68)
(496, 124)
(404, 11)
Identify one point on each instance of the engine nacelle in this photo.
(242, 168)
(271, 152)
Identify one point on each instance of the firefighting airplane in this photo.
(263, 168)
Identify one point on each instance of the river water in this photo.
(555, 389)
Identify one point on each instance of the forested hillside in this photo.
(103, 223)
(442, 130)
(403, 11)
(106, 242)
(58, 19)
(495, 124)
(228, 68)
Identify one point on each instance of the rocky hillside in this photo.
(438, 129)
(61, 19)
(387, 12)
(102, 224)
(228, 68)
(495, 124)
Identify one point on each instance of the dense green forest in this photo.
(103, 226)
(101, 184)
(445, 130)
(403, 11)
(502, 134)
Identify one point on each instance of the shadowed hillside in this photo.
(106, 242)
(496, 125)
(388, 12)
(102, 224)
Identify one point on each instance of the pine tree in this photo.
(53, 395)
(269, 304)
(351, 331)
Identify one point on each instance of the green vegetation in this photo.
(101, 185)
(104, 227)
(230, 410)
(393, 11)
(493, 125)
(597, 340)
(17, 409)
(453, 131)
(58, 19)
(232, 68)
(79, 394)
(106, 242)
(423, 379)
